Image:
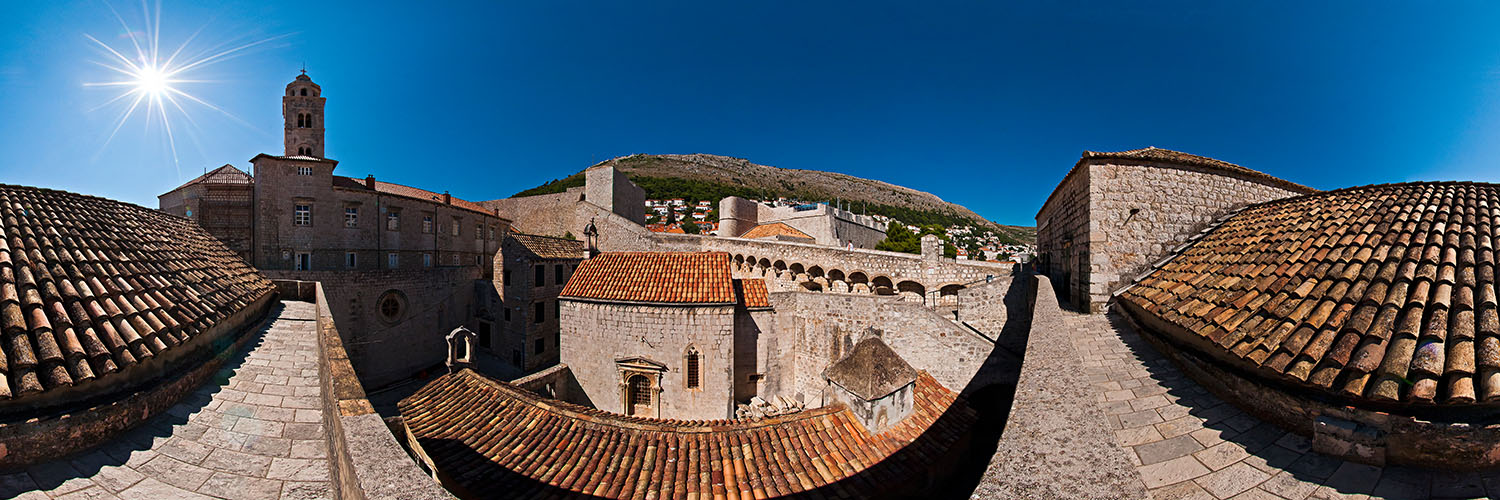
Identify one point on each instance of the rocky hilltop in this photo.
(742, 177)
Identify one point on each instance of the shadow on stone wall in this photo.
(992, 402)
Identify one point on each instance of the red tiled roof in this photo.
(774, 229)
(1378, 293)
(676, 277)
(752, 292)
(90, 287)
(409, 192)
(496, 440)
(1180, 158)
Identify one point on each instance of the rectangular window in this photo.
(692, 370)
(351, 216)
(304, 261)
(426, 260)
(505, 278)
(304, 170)
(557, 309)
(392, 260)
(427, 223)
(557, 275)
(479, 260)
(484, 334)
(541, 276)
(507, 314)
(302, 215)
(393, 220)
(453, 260)
(541, 346)
(456, 222)
(492, 231)
(351, 260)
(541, 312)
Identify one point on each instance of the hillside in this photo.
(711, 177)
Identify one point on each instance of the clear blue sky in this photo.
(986, 104)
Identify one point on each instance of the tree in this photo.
(691, 228)
(569, 235)
(900, 239)
(671, 216)
(653, 219)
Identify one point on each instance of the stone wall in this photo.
(612, 190)
(1111, 219)
(595, 335)
(385, 350)
(545, 214)
(366, 461)
(814, 330)
(1062, 237)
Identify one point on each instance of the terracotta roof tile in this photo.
(409, 192)
(752, 292)
(499, 441)
(547, 247)
(90, 287)
(774, 229)
(1367, 306)
(672, 277)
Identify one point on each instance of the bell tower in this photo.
(302, 109)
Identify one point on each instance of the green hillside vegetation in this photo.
(900, 239)
(668, 188)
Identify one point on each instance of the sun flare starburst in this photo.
(154, 82)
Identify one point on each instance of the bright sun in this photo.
(150, 80)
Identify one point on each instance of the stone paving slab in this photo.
(1188, 444)
(255, 432)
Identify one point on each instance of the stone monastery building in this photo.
(1191, 328)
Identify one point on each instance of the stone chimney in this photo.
(460, 349)
(370, 182)
(447, 198)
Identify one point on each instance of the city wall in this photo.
(386, 349)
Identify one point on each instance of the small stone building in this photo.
(663, 334)
(221, 201)
(530, 273)
(1114, 214)
(874, 382)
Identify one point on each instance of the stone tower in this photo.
(302, 108)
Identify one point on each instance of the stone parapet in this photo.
(366, 461)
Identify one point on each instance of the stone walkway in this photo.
(256, 432)
(1187, 443)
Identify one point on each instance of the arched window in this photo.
(304, 91)
(691, 362)
(640, 394)
(299, 120)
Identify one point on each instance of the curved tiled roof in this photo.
(671, 277)
(226, 174)
(497, 440)
(1152, 153)
(90, 287)
(1378, 293)
(774, 229)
